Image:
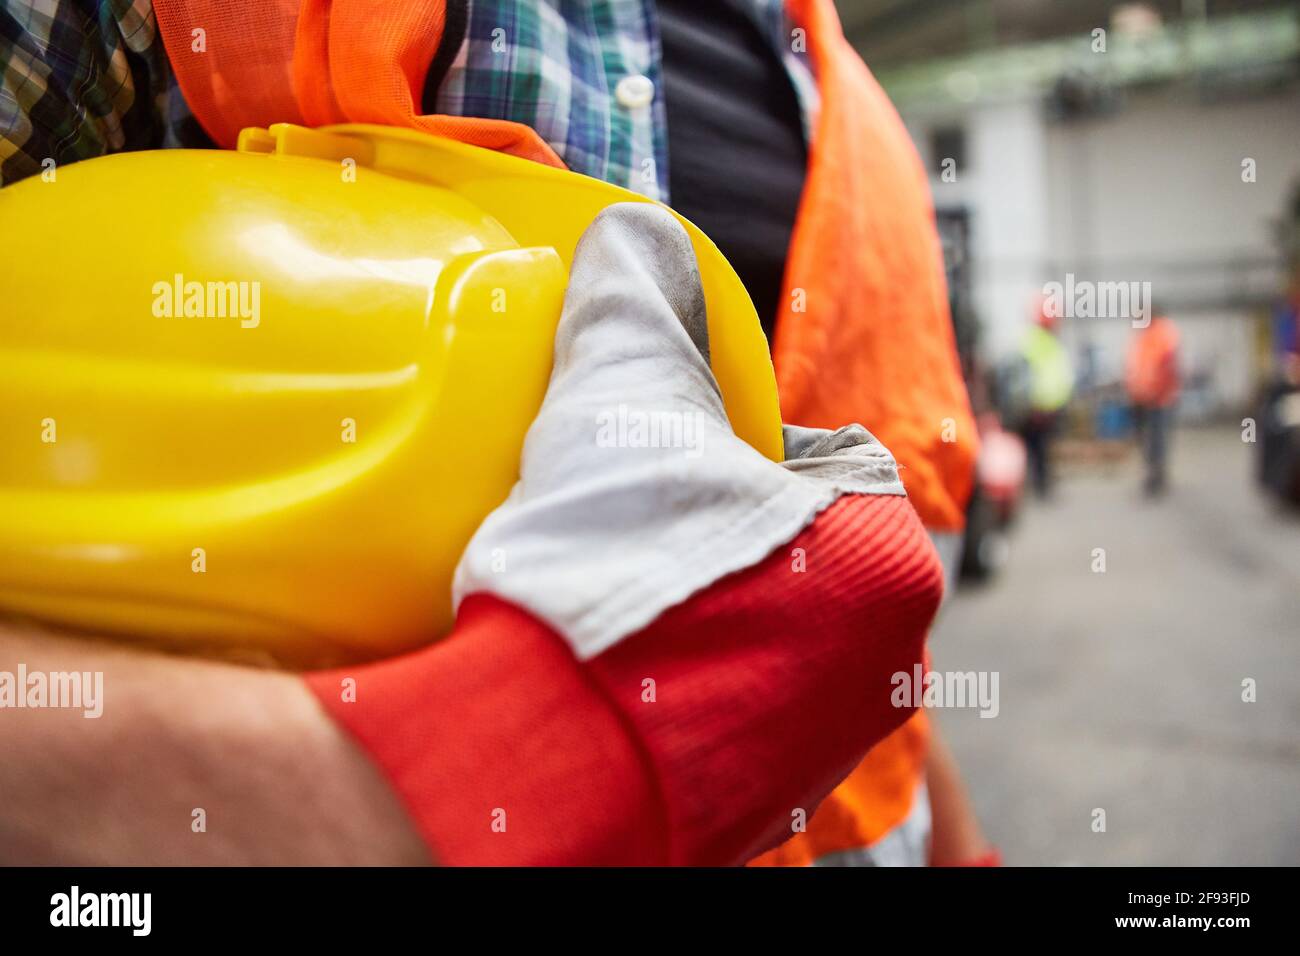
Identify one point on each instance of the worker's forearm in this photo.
(956, 837)
(190, 762)
(503, 745)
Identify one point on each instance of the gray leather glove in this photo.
(634, 492)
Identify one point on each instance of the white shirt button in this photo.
(634, 91)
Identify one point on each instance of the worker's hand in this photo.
(667, 647)
(694, 737)
(634, 491)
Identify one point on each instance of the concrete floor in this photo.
(1122, 690)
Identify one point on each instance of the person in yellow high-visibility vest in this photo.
(1051, 383)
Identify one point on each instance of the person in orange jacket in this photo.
(1152, 380)
(836, 244)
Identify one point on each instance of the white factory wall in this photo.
(1153, 192)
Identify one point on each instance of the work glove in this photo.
(668, 648)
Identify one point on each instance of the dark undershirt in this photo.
(736, 151)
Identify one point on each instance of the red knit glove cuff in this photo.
(502, 749)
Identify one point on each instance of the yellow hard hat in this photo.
(257, 401)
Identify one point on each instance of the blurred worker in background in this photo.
(1049, 381)
(1151, 377)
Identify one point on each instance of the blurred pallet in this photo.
(1092, 451)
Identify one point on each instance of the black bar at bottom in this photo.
(437, 906)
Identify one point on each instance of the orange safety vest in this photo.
(863, 333)
(871, 341)
(1151, 373)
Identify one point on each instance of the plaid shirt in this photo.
(79, 78)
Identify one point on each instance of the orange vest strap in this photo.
(310, 62)
(316, 62)
(864, 333)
